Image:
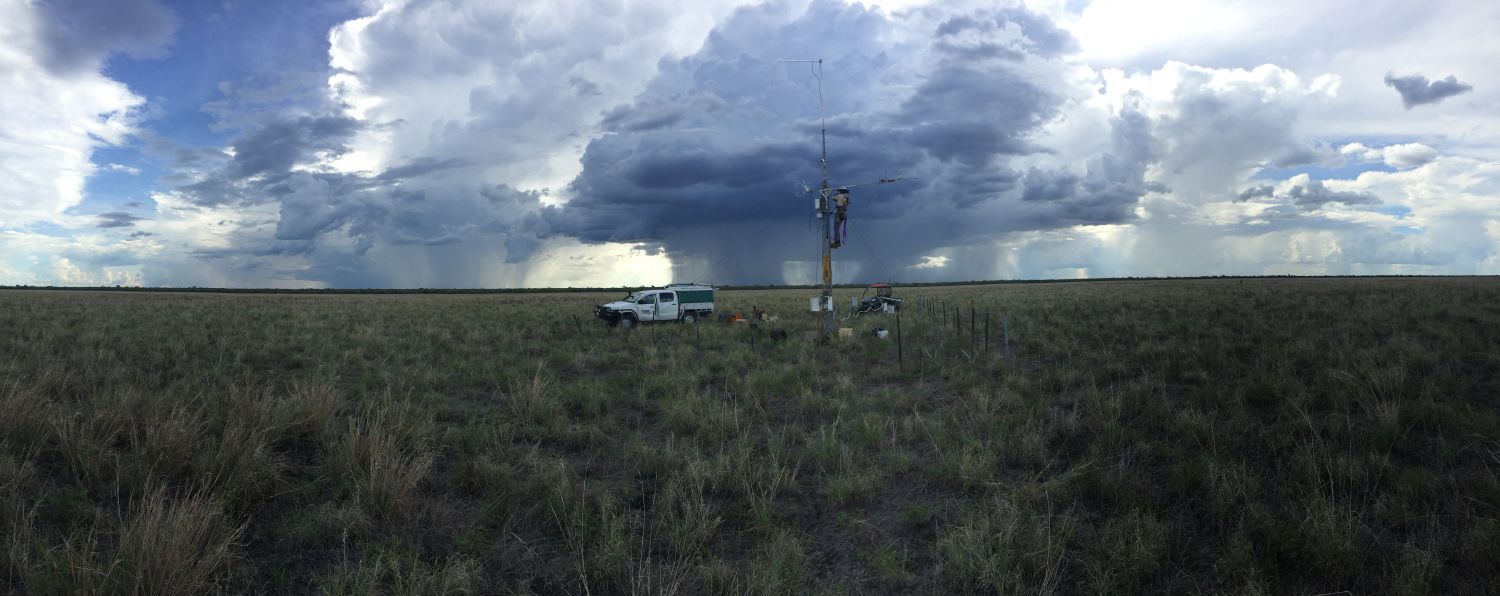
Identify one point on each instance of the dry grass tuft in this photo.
(382, 457)
(403, 575)
(175, 546)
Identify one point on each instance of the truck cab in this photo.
(655, 306)
(676, 302)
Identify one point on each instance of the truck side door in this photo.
(667, 306)
(645, 308)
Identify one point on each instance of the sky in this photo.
(484, 144)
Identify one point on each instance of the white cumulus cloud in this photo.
(56, 114)
(1399, 156)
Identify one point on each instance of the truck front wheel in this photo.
(627, 322)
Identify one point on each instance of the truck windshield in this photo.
(633, 297)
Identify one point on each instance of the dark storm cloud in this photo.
(709, 142)
(961, 112)
(583, 87)
(194, 157)
(1416, 90)
(1048, 185)
(521, 239)
(1037, 35)
(1264, 190)
(707, 161)
(651, 113)
(1110, 186)
(421, 166)
(79, 33)
(311, 205)
(331, 220)
(955, 113)
(263, 157)
(116, 219)
(280, 144)
(708, 166)
(1299, 156)
(980, 51)
(1309, 196)
(1314, 195)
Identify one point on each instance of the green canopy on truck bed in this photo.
(694, 296)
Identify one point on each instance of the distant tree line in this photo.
(899, 284)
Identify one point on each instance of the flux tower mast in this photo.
(828, 203)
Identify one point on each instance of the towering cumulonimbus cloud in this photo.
(474, 143)
(706, 163)
(58, 106)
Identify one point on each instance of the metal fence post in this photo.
(900, 358)
(1009, 358)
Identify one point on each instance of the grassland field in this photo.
(1256, 436)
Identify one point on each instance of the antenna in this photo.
(822, 116)
(833, 236)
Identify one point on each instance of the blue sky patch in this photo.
(1344, 172)
(1399, 211)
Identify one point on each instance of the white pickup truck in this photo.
(676, 302)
